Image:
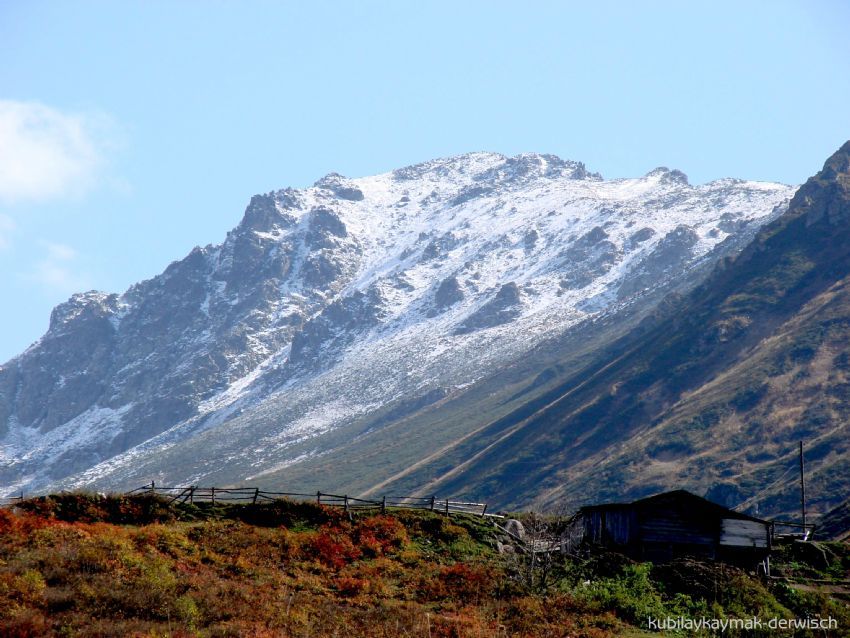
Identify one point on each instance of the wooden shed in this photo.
(673, 524)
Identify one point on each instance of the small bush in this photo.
(137, 509)
(292, 514)
(631, 595)
(379, 535)
(439, 529)
(333, 548)
(349, 586)
(459, 582)
(24, 623)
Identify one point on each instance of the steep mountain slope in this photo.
(835, 524)
(333, 313)
(712, 397)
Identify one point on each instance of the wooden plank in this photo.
(737, 525)
(742, 541)
(742, 533)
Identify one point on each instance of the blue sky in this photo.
(132, 131)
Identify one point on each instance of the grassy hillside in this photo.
(75, 565)
(713, 395)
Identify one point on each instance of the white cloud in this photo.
(47, 154)
(57, 270)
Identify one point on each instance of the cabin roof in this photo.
(683, 496)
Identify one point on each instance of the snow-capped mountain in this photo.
(353, 302)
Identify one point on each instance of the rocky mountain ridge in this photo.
(349, 302)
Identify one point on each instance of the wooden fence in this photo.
(8, 501)
(195, 494)
(785, 529)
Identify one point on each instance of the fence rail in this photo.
(786, 529)
(8, 501)
(195, 494)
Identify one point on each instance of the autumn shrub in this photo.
(8, 521)
(60, 598)
(138, 509)
(19, 528)
(522, 614)
(459, 582)
(26, 588)
(288, 544)
(52, 551)
(292, 514)
(349, 586)
(166, 539)
(379, 535)
(215, 540)
(467, 622)
(214, 599)
(333, 548)
(149, 591)
(23, 623)
(102, 553)
(439, 529)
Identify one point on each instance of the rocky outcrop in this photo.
(448, 293)
(340, 187)
(588, 258)
(502, 308)
(667, 258)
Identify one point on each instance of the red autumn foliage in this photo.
(465, 582)
(350, 586)
(380, 535)
(334, 548)
(26, 623)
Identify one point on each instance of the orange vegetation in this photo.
(284, 569)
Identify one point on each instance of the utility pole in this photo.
(802, 490)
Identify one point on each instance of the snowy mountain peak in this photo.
(670, 176)
(265, 212)
(83, 306)
(493, 167)
(457, 167)
(329, 304)
(340, 187)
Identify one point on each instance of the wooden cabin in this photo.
(674, 524)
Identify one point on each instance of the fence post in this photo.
(345, 505)
(447, 507)
(384, 505)
(191, 494)
(484, 511)
(212, 495)
(318, 498)
(433, 501)
(256, 494)
(153, 487)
